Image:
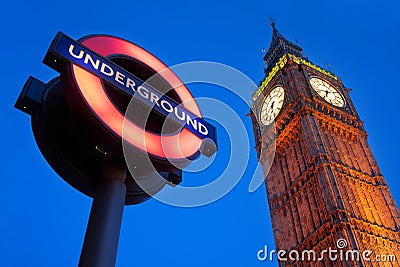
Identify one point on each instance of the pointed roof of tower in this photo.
(278, 47)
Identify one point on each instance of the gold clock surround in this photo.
(327, 92)
(272, 105)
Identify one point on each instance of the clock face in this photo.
(327, 92)
(272, 105)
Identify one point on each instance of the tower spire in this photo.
(272, 22)
(278, 47)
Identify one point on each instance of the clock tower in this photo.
(324, 188)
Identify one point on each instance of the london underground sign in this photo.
(80, 123)
(90, 66)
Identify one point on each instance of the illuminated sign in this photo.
(87, 61)
(97, 121)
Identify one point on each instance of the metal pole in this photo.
(103, 229)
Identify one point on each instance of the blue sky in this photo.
(43, 220)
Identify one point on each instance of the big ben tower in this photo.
(324, 186)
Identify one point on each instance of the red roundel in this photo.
(181, 145)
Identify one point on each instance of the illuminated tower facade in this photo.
(324, 183)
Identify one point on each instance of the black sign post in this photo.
(102, 233)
